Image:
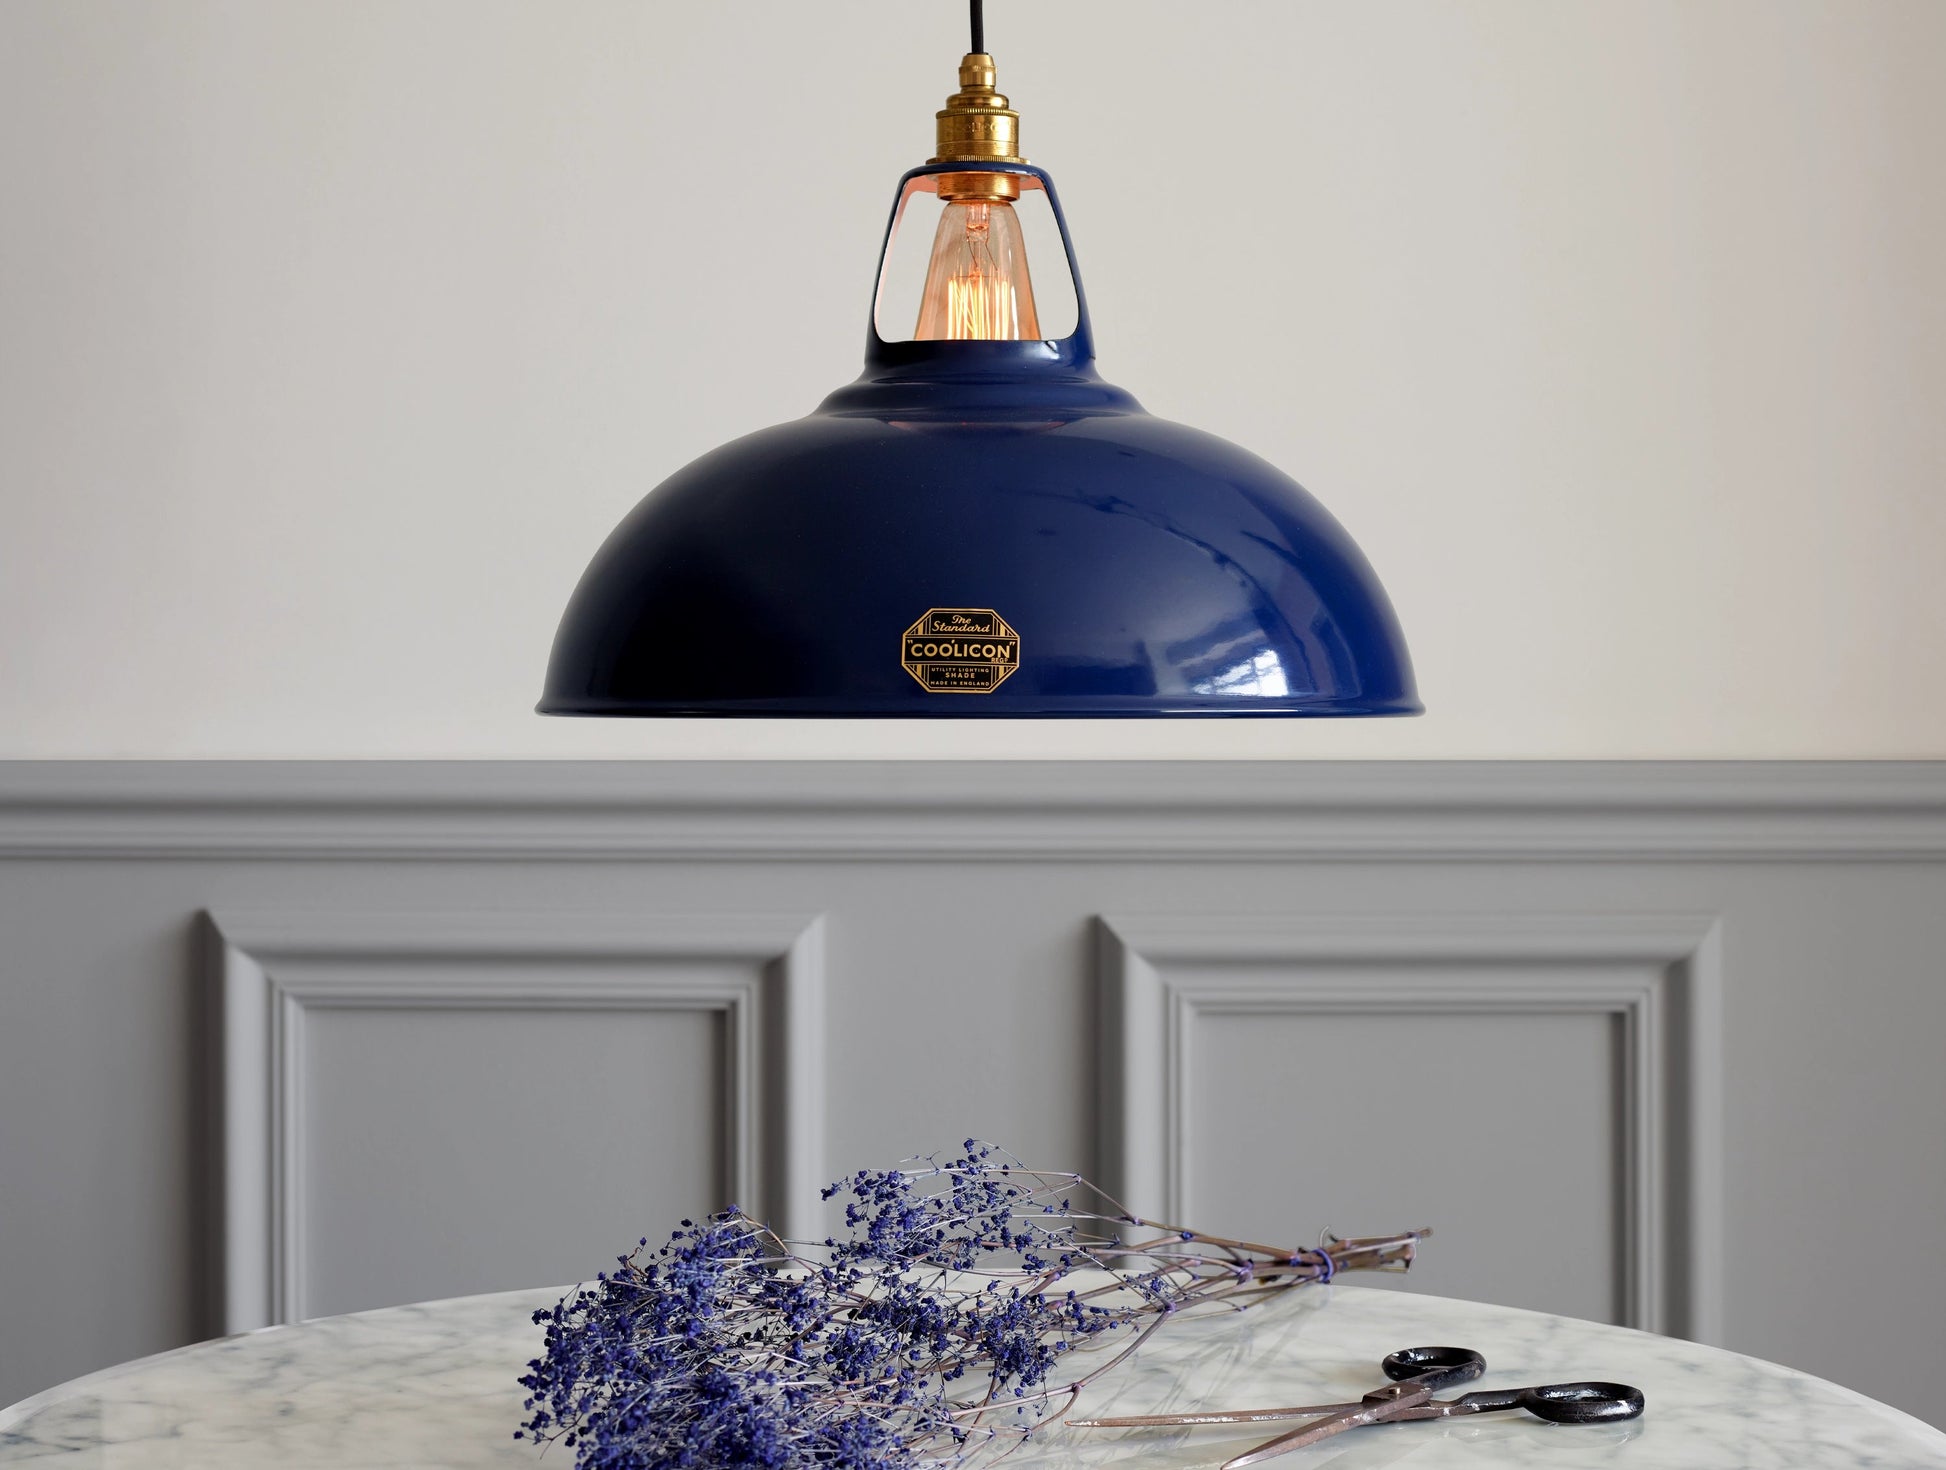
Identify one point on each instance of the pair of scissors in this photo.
(1417, 1374)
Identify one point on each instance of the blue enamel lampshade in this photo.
(980, 529)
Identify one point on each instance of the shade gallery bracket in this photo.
(1138, 567)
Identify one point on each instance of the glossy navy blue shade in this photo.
(1145, 568)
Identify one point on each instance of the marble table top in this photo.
(433, 1386)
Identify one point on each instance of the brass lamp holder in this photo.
(977, 126)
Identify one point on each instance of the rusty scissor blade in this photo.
(1222, 1416)
(1395, 1401)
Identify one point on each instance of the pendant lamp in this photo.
(979, 525)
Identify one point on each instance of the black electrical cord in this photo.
(979, 27)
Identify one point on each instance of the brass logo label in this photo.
(960, 650)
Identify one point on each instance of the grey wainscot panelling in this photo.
(1657, 1044)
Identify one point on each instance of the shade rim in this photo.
(984, 707)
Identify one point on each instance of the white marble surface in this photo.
(433, 1385)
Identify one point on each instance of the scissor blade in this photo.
(1393, 1403)
(1224, 1416)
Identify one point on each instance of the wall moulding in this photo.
(275, 971)
(1125, 812)
(1659, 976)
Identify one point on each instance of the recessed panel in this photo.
(451, 1150)
(1501, 1131)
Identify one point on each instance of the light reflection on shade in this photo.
(1262, 675)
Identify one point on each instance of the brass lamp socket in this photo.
(979, 187)
(976, 123)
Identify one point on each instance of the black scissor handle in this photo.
(1434, 1368)
(1562, 1403)
(1583, 1403)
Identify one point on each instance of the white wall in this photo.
(335, 335)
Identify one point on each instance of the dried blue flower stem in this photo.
(926, 1337)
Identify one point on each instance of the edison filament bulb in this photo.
(977, 285)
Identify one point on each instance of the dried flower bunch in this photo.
(931, 1332)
